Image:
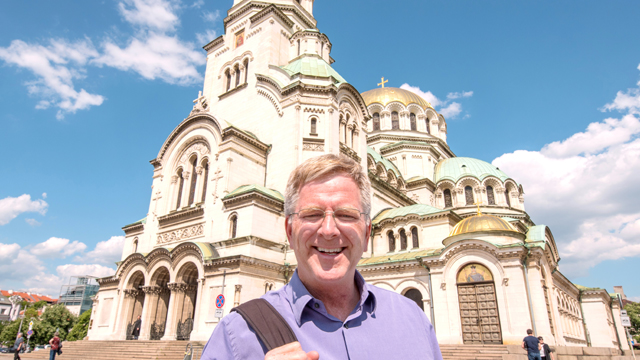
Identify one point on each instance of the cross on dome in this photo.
(383, 82)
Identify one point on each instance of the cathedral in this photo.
(451, 233)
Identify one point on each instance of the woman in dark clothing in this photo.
(545, 351)
(136, 328)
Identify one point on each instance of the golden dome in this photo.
(481, 223)
(383, 96)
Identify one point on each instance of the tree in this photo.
(633, 310)
(81, 328)
(58, 317)
(9, 333)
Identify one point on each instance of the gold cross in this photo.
(478, 203)
(383, 82)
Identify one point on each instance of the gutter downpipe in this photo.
(615, 326)
(584, 323)
(526, 277)
(433, 319)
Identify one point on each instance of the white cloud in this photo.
(206, 37)
(585, 189)
(11, 207)
(197, 4)
(44, 195)
(55, 67)
(107, 252)
(16, 264)
(152, 14)
(57, 248)
(33, 222)
(211, 16)
(448, 109)
(157, 56)
(65, 271)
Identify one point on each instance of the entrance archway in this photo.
(135, 297)
(159, 302)
(478, 305)
(416, 296)
(188, 280)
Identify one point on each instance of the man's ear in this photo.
(288, 228)
(367, 236)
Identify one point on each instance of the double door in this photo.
(479, 313)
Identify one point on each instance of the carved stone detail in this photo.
(177, 287)
(181, 234)
(133, 293)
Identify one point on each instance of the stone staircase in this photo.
(474, 352)
(115, 350)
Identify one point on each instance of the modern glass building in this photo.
(76, 296)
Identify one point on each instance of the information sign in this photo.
(219, 313)
(626, 321)
(220, 301)
(29, 333)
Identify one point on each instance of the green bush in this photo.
(81, 328)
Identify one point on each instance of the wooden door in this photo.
(479, 313)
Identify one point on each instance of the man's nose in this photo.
(328, 227)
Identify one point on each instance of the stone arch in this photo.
(381, 172)
(132, 261)
(201, 124)
(134, 298)
(384, 285)
(416, 296)
(186, 291)
(232, 225)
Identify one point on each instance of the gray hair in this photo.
(322, 166)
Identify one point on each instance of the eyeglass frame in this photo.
(332, 214)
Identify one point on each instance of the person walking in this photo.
(545, 351)
(55, 346)
(532, 345)
(136, 328)
(17, 347)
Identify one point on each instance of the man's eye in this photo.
(347, 215)
(313, 215)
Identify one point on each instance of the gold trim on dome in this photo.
(386, 95)
(480, 223)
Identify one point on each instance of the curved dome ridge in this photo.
(384, 96)
(458, 167)
(481, 223)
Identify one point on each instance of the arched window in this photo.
(376, 121)
(205, 165)
(412, 119)
(180, 186)
(403, 240)
(428, 127)
(353, 138)
(447, 199)
(468, 195)
(491, 199)
(313, 126)
(344, 133)
(135, 245)
(237, 75)
(414, 237)
(415, 295)
(246, 71)
(322, 49)
(392, 241)
(228, 76)
(298, 47)
(506, 196)
(395, 121)
(194, 179)
(233, 226)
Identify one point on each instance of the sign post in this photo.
(220, 298)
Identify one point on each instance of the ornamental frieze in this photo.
(185, 233)
(157, 290)
(134, 293)
(180, 287)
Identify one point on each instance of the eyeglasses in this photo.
(342, 216)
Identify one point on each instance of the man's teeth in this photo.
(331, 251)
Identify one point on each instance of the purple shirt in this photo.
(384, 325)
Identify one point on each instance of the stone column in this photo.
(184, 200)
(197, 319)
(148, 310)
(197, 197)
(236, 296)
(175, 305)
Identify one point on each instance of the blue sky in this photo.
(90, 90)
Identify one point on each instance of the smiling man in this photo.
(332, 311)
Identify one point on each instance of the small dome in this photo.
(384, 96)
(458, 167)
(481, 223)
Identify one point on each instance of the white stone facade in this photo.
(270, 101)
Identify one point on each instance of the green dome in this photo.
(456, 168)
(312, 65)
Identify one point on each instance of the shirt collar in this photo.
(299, 296)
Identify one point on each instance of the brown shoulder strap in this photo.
(267, 322)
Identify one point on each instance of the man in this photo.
(545, 351)
(136, 328)
(17, 347)
(532, 345)
(332, 311)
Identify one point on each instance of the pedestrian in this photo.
(55, 346)
(544, 350)
(327, 305)
(136, 328)
(17, 347)
(532, 345)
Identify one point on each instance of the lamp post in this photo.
(17, 300)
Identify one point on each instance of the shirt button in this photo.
(346, 326)
(316, 305)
